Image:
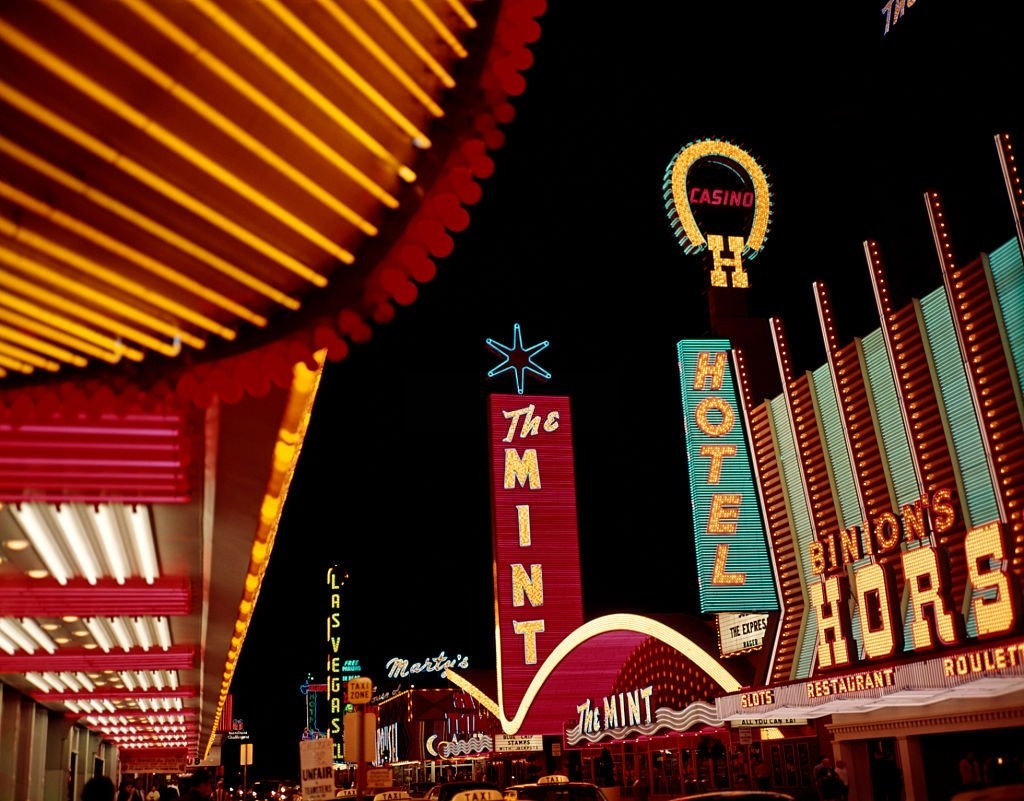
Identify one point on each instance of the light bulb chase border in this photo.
(718, 199)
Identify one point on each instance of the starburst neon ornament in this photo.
(518, 358)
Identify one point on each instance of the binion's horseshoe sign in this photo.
(718, 200)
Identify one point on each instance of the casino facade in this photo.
(859, 539)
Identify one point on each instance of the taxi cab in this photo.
(479, 794)
(449, 791)
(554, 787)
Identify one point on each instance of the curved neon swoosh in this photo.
(601, 625)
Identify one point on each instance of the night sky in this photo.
(571, 240)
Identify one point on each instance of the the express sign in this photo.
(734, 570)
(536, 542)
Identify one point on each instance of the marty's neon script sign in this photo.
(399, 668)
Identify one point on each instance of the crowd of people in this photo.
(199, 786)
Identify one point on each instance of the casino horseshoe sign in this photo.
(718, 200)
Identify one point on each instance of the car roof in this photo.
(445, 791)
(738, 795)
(555, 788)
(479, 794)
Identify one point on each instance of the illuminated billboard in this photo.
(718, 200)
(536, 543)
(734, 570)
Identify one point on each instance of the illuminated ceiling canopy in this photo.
(201, 204)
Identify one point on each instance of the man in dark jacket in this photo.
(200, 787)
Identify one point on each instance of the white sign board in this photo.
(316, 769)
(380, 777)
(504, 743)
(768, 722)
(739, 632)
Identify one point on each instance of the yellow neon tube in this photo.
(251, 93)
(41, 346)
(55, 334)
(28, 358)
(60, 302)
(464, 15)
(145, 223)
(14, 364)
(207, 112)
(69, 286)
(147, 177)
(383, 58)
(439, 27)
(343, 68)
(411, 42)
(297, 82)
(90, 267)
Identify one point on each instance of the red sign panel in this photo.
(536, 541)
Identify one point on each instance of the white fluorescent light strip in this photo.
(121, 634)
(7, 645)
(54, 681)
(95, 628)
(112, 545)
(158, 679)
(72, 706)
(142, 534)
(77, 542)
(129, 681)
(70, 681)
(14, 632)
(141, 632)
(37, 680)
(109, 706)
(143, 679)
(163, 632)
(172, 679)
(85, 681)
(28, 517)
(35, 631)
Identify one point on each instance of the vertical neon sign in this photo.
(536, 542)
(336, 578)
(734, 571)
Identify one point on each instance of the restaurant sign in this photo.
(815, 697)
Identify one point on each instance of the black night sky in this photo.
(571, 240)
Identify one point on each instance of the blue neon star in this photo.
(518, 358)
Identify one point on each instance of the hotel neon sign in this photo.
(734, 570)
